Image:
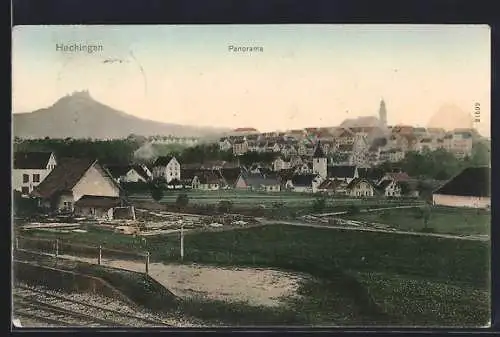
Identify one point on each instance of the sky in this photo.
(305, 75)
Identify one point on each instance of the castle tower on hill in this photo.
(383, 113)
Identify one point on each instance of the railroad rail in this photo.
(60, 305)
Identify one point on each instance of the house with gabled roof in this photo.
(129, 173)
(167, 167)
(225, 144)
(305, 183)
(210, 180)
(240, 147)
(30, 169)
(343, 172)
(361, 187)
(189, 178)
(470, 188)
(329, 186)
(258, 182)
(74, 178)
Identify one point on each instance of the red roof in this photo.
(244, 129)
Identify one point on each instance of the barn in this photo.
(470, 188)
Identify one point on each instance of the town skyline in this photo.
(305, 75)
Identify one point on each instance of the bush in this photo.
(319, 204)
(225, 206)
(156, 192)
(352, 209)
(182, 200)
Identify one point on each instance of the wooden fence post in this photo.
(99, 258)
(147, 263)
(57, 247)
(182, 242)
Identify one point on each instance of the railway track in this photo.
(57, 309)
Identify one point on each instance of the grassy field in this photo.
(252, 198)
(442, 220)
(360, 277)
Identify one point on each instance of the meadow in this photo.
(253, 198)
(447, 220)
(359, 278)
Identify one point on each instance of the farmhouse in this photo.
(329, 186)
(129, 173)
(304, 183)
(72, 179)
(361, 187)
(396, 184)
(343, 172)
(167, 168)
(470, 188)
(30, 169)
(190, 178)
(209, 181)
(230, 176)
(95, 206)
(259, 182)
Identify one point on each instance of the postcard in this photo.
(178, 176)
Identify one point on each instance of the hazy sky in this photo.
(307, 75)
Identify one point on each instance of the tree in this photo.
(319, 204)
(424, 213)
(405, 188)
(156, 191)
(182, 200)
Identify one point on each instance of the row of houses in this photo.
(85, 187)
(356, 145)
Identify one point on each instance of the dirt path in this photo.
(447, 236)
(256, 286)
(369, 210)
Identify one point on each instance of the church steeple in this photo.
(382, 113)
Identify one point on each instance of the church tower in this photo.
(319, 162)
(383, 113)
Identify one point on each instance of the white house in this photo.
(279, 164)
(74, 178)
(225, 144)
(129, 173)
(305, 183)
(168, 168)
(470, 188)
(30, 169)
(361, 187)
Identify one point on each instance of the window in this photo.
(25, 190)
(26, 178)
(36, 178)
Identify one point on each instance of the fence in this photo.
(57, 247)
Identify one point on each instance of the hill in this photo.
(80, 116)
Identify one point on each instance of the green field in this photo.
(442, 220)
(252, 198)
(359, 277)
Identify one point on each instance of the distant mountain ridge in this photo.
(80, 116)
